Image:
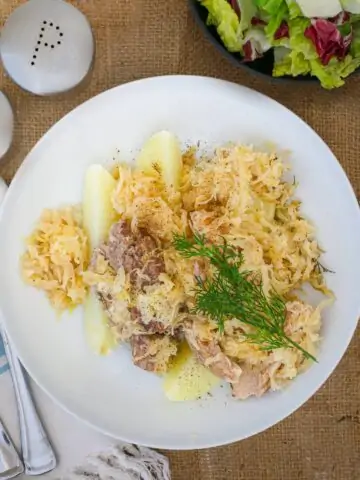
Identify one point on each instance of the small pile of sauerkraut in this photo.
(57, 254)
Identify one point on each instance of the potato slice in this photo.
(98, 212)
(98, 216)
(162, 153)
(98, 335)
(187, 379)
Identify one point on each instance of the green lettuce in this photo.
(281, 14)
(301, 58)
(270, 6)
(354, 18)
(332, 75)
(355, 44)
(294, 9)
(290, 62)
(298, 41)
(274, 12)
(227, 23)
(248, 11)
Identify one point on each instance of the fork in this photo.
(10, 463)
(37, 453)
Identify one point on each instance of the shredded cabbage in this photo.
(57, 254)
(238, 195)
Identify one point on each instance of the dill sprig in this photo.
(236, 293)
(319, 268)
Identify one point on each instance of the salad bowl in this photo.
(285, 40)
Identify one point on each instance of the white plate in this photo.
(110, 393)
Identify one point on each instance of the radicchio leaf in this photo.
(282, 31)
(328, 40)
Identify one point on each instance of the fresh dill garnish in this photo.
(321, 269)
(236, 293)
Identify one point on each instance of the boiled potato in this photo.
(98, 216)
(97, 333)
(98, 212)
(186, 378)
(162, 153)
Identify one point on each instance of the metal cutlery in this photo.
(10, 463)
(37, 453)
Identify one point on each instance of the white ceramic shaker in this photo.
(47, 46)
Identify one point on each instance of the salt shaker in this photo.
(47, 46)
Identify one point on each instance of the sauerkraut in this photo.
(57, 254)
(239, 195)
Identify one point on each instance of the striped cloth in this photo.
(3, 362)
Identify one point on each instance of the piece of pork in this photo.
(151, 327)
(244, 380)
(137, 253)
(152, 352)
(252, 382)
(211, 356)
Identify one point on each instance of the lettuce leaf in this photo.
(354, 18)
(294, 9)
(282, 14)
(355, 44)
(255, 44)
(270, 6)
(248, 10)
(290, 62)
(301, 58)
(333, 74)
(294, 55)
(297, 40)
(226, 21)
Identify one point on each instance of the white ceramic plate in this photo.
(110, 393)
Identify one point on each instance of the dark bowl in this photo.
(262, 66)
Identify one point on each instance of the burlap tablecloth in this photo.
(142, 38)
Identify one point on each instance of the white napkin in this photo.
(72, 440)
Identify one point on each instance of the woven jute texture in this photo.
(143, 38)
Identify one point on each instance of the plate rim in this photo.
(30, 161)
